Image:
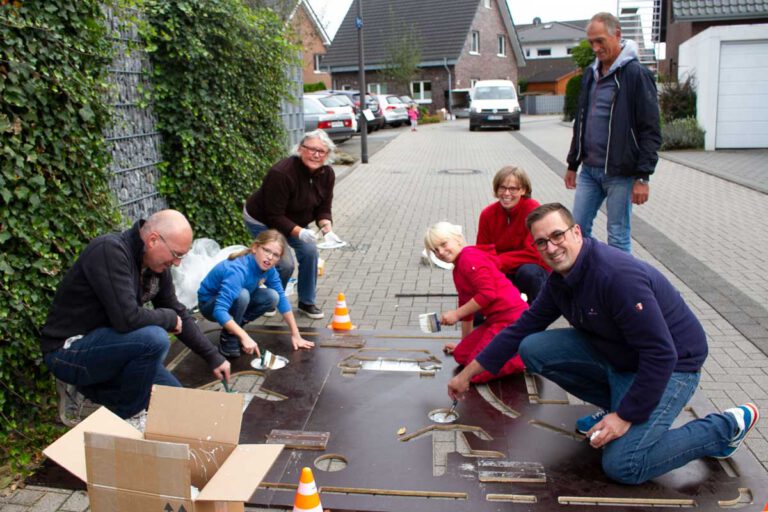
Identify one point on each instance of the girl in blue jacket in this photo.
(232, 294)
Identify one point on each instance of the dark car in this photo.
(337, 126)
(371, 102)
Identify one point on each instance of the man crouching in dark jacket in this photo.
(100, 340)
(634, 348)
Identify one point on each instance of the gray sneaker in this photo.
(70, 403)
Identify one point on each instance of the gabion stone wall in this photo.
(132, 138)
(292, 111)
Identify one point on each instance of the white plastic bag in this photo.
(201, 258)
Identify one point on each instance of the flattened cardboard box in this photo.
(191, 439)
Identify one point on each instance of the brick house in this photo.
(460, 42)
(683, 19)
(314, 41)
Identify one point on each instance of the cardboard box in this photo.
(191, 439)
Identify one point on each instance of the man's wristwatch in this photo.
(641, 180)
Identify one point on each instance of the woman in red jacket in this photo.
(502, 224)
(482, 288)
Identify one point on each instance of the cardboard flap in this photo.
(138, 465)
(69, 450)
(241, 474)
(194, 414)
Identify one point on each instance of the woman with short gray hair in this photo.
(296, 191)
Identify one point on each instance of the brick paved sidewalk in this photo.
(443, 172)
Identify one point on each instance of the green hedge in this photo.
(54, 189)
(219, 77)
(572, 91)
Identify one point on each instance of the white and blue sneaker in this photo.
(746, 418)
(585, 423)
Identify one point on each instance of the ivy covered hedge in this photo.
(54, 194)
(219, 77)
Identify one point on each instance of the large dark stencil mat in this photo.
(551, 467)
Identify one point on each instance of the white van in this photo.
(494, 103)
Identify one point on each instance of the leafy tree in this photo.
(403, 55)
(583, 55)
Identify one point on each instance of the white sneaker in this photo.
(138, 421)
(270, 313)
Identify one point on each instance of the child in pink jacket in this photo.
(413, 115)
(481, 287)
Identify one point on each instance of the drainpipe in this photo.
(450, 99)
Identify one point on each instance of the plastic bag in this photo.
(201, 258)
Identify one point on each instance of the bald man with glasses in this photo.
(634, 349)
(100, 341)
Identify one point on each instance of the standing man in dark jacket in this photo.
(635, 349)
(616, 134)
(100, 340)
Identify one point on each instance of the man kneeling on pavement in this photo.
(100, 341)
(635, 349)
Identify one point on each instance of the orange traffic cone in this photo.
(307, 499)
(341, 321)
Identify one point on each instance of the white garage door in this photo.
(742, 106)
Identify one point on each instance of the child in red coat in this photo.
(482, 287)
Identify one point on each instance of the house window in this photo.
(421, 91)
(346, 87)
(377, 88)
(487, 4)
(502, 46)
(475, 44)
(543, 52)
(569, 51)
(527, 52)
(318, 58)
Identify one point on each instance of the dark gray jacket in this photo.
(634, 134)
(103, 289)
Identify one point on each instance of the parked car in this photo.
(338, 126)
(393, 108)
(494, 103)
(407, 100)
(335, 104)
(371, 102)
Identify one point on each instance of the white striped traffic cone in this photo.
(341, 320)
(307, 499)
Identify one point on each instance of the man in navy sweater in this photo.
(635, 349)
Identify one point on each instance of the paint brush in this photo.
(452, 410)
(429, 322)
(226, 386)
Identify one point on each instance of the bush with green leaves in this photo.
(572, 91)
(218, 81)
(678, 100)
(681, 134)
(317, 86)
(54, 192)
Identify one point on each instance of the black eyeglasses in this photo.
(316, 151)
(175, 255)
(557, 238)
(513, 190)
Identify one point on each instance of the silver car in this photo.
(339, 127)
(393, 108)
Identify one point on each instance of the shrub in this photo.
(54, 189)
(572, 91)
(219, 78)
(429, 119)
(317, 86)
(682, 134)
(678, 100)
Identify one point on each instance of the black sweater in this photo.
(103, 289)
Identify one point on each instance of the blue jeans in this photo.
(306, 254)
(529, 278)
(593, 187)
(115, 369)
(246, 308)
(649, 449)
